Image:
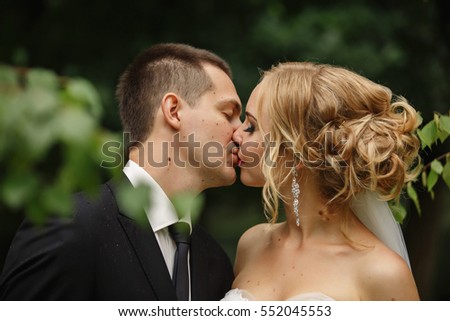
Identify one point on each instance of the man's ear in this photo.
(170, 106)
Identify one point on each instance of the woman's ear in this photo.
(299, 166)
(170, 106)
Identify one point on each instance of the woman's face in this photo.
(251, 144)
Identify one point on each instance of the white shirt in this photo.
(161, 213)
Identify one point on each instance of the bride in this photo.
(331, 147)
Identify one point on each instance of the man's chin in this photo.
(230, 179)
(227, 179)
(231, 182)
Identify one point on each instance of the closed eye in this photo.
(250, 129)
(250, 119)
(228, 115)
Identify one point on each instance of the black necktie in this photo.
(180, 233)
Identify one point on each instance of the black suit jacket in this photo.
(102, 254)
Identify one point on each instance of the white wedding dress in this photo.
(243, 295)
(377, 217)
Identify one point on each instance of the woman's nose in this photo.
(237, 135)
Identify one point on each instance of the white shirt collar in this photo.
(161, 212)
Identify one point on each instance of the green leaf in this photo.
(432, 180)
(134, 200)
(40, 101)
(42, 78)
(18, 187)
(110, 151)
(424, 178)
(36, 212)
(68, 175)
(437, 167)
(84, 170)
(413, 196)
(442, 135)
(446, 174)
(444, 124)
(85, 93)
(188, 204)
(74, 125)
(57, 200)
(37, 137)
(428, 134)
(399, 211)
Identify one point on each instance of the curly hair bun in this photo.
(377, 152)
(343, 126)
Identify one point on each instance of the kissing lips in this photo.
(240, 162)
(235, 157)
(235, 160)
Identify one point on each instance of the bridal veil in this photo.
(378, 218)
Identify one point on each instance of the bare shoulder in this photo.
(250, 242)
(386, 276)
(255, 231)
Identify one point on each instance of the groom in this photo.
(180, 109)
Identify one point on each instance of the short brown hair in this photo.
(160, 69)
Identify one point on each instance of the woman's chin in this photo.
(250, 181)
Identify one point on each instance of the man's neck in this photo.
(174, 180)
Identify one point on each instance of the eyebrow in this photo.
(251, 116)
(234, 102)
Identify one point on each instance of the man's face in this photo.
(209, 126)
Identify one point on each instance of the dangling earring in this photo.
(295, 193)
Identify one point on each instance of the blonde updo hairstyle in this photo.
(348, 130)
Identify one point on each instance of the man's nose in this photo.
(236, 124)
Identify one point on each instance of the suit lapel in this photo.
(148, 252)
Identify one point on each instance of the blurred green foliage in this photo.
(50, 140)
